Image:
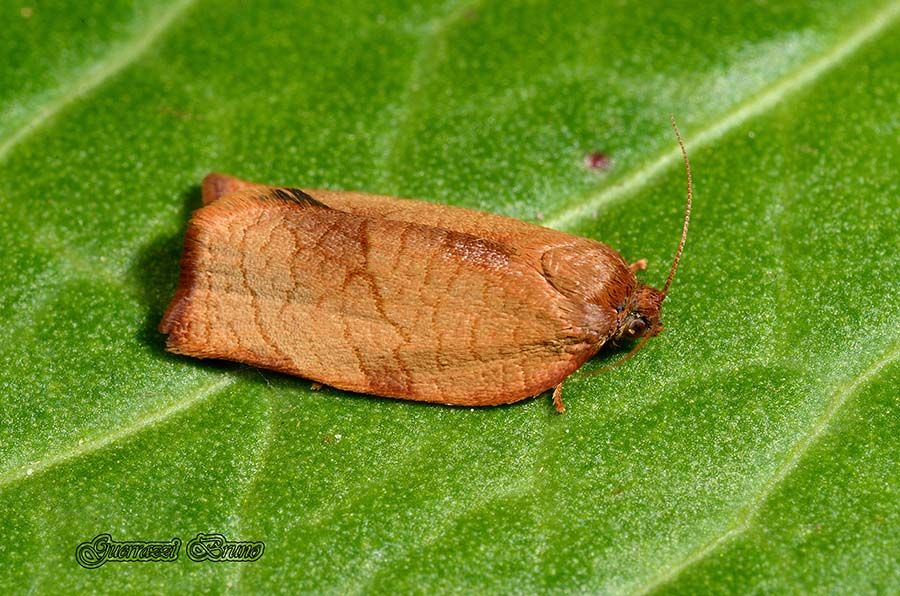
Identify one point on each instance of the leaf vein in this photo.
(730, 120)
(743, 520)
(262, 456)
(34, 469)
(425, 55)
(120, 58)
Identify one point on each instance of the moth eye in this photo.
(637, 327)
(620, 308)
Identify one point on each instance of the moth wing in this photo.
(369, 304)
(529, 239)
(216, 185)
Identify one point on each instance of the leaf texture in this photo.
(751, 447)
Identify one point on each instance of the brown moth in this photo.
(400, 298)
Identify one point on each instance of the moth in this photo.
(401, 298)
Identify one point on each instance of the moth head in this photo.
(639, 316)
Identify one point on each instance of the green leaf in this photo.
(751, 447)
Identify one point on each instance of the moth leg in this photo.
(315, 386)
(638, 265)
(557, 399)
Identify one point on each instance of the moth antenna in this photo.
(623, 359)
(687, 211)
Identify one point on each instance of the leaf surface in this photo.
(752, 446)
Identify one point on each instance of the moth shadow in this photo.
(156, 273)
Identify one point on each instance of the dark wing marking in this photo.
(292, 195)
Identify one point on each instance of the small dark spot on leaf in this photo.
(597, 160)
(182, 114)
